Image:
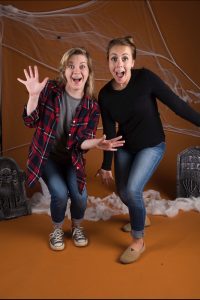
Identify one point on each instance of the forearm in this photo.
(107, 160)
(32, 104)
(31, 113)
(89, 144)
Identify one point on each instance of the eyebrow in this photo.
(117, 54)
(82, 62)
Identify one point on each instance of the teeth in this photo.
(120, 74)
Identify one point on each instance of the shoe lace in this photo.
(78, 233)
(57, 235)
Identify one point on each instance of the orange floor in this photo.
(169, 268)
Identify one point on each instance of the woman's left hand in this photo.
(103, 144)
(110, 145)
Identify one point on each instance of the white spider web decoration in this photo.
(45, 36)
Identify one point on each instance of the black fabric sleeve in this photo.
(162, 92)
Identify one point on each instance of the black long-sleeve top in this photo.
(135, 111)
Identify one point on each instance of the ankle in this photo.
(137, 244)
(76, 223)
(57, 225)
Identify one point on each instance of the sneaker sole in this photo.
(57, 248)
(80, 244)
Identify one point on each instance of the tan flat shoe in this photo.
(130, 255)
(127, 227)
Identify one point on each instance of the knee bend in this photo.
(123, 196)
(135, 194)
(81, 204)
(60, 198)
(78, 207)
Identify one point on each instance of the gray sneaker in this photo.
(56, 239)
(78, 237)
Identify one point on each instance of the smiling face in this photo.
(76, 74)
(120, 64)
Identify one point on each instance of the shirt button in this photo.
(67, 148)
(70, 134)
(77, 168)
(74, 121)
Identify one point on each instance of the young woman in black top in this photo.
(129, 101)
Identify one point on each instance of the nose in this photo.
(119, 63)
(76, 69)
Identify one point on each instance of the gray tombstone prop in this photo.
(13, 201)
(188, 173)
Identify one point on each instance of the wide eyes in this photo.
(115, 58)
(72, 67)
(82, 66)
(124, 58)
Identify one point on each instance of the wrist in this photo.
(33, 97)
(103, 170)
(97, 143)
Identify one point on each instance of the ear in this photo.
(133, 63)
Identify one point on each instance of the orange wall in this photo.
(179, 22)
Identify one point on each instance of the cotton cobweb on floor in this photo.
(104, 208)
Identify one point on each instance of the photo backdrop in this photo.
(39, 32)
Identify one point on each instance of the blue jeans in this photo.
(61, 181)
(132, 172)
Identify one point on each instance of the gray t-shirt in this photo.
(67, 113)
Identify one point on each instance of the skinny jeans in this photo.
(61, 181)
(132, 172)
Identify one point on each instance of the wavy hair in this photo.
(89, 85)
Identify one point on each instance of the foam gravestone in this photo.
(188, 173)
(13, 200)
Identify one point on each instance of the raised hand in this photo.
(32, 84)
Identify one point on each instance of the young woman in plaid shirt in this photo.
(65, 115)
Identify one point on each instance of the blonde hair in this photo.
(89, 85)
(123, 41)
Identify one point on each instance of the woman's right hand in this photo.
(106, 176)
(32, 84)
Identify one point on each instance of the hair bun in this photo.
(129, 38)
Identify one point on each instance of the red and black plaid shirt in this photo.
(45, 119)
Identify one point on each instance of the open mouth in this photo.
(77, 80)
(120, 74)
